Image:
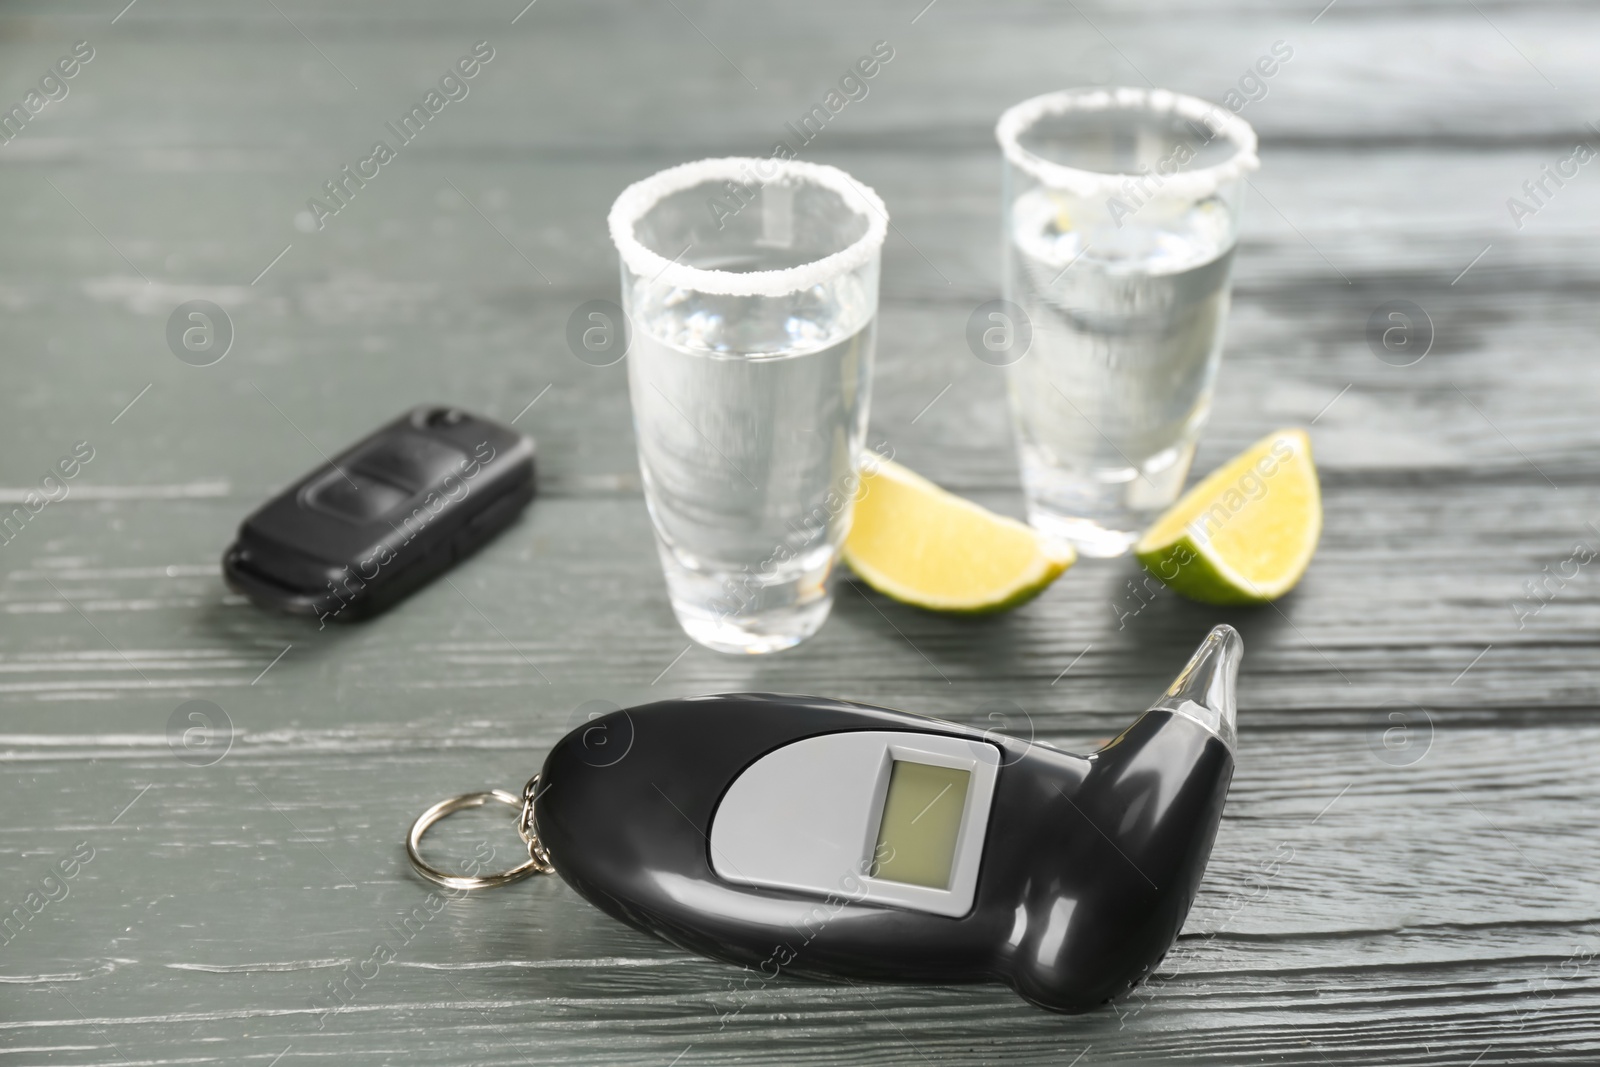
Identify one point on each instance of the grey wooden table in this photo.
(1417, 890)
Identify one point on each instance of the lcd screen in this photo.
(921, 821)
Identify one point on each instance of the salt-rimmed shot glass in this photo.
(1120, 216)
(751, 288)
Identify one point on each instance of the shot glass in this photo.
(751, 287)
(1119, 220)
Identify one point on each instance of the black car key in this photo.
(389, 513)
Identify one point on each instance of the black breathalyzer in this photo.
(811, 836)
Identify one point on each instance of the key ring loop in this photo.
(538, 861)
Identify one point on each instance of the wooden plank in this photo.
(458, 314)
(1361, 72)
(218, 907)
(576, 611)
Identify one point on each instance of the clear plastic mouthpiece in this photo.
(1204, 690)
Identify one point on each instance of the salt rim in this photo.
(641, 196)
(1191, 183)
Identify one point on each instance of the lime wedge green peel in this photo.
(1246, 533)
(919, 544)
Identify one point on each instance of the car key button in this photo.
(411, 460)
(355, 496)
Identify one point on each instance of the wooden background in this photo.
(1432, 902)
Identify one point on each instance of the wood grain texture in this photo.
(1435, 903)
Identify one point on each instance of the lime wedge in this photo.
(1247, 532)
(917, 543)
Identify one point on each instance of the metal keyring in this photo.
(538, 861)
